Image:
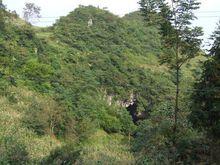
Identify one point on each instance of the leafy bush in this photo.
(12, 152)
(49, 118)
(80, 66)
(65, 155)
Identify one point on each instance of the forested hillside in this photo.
(92, 93)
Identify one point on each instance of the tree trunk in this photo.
(176, 110)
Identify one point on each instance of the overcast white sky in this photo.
(208, 15)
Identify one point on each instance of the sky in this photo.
(208, 14)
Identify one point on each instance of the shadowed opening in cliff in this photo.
(133, 111)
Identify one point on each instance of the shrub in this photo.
(47, 117)
(65, 155)
(13, 152)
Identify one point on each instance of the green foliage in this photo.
(2, 15)
(14, 132)
(49, 118)
(63, 156)
(174, 23)
(40, 74)
(153, 142)
(36, 118)
(108, 34)
(3, 86)
(111, 118)
(181, 43)
(208, 94)
(205, 114)
(63, 87)
(100, 148)
(18, 43)
(12, 152)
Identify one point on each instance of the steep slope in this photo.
(17, 142)
(108, 33)
(71, 88)
(120, 57)
(18, 47)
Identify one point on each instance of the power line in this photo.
(59, 17)
(207, 11)
(199, 17)
(212, 16)
(197, 12)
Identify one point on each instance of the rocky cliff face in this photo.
(131, 104)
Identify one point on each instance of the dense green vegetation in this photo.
(98, 94)
(206, 112)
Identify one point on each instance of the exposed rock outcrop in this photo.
(130, 104)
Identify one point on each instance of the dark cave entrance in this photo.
(136, 116)
(133, 111)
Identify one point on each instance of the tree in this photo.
(31, 12)
(2, 13)
(206, 112)
(181, 40)
(2, 6)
